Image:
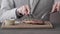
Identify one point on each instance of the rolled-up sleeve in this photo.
(8, 15)
(7, 10)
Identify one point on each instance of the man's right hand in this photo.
(25, 10)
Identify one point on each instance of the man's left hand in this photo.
(56, 7)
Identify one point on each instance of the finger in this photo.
(57, 6)
(25, 10)
(28, 9)
(26, 13)
(54, 7)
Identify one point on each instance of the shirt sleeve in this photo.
(7, 10)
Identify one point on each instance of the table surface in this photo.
(55, 30)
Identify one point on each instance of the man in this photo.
(40, 9)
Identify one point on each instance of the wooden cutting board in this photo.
(46, 25)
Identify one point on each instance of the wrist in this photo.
(18, 14)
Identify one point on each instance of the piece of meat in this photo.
(37, 22)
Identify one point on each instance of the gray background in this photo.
(54, 18)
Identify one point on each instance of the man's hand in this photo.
(56, 7)
(25, 10)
